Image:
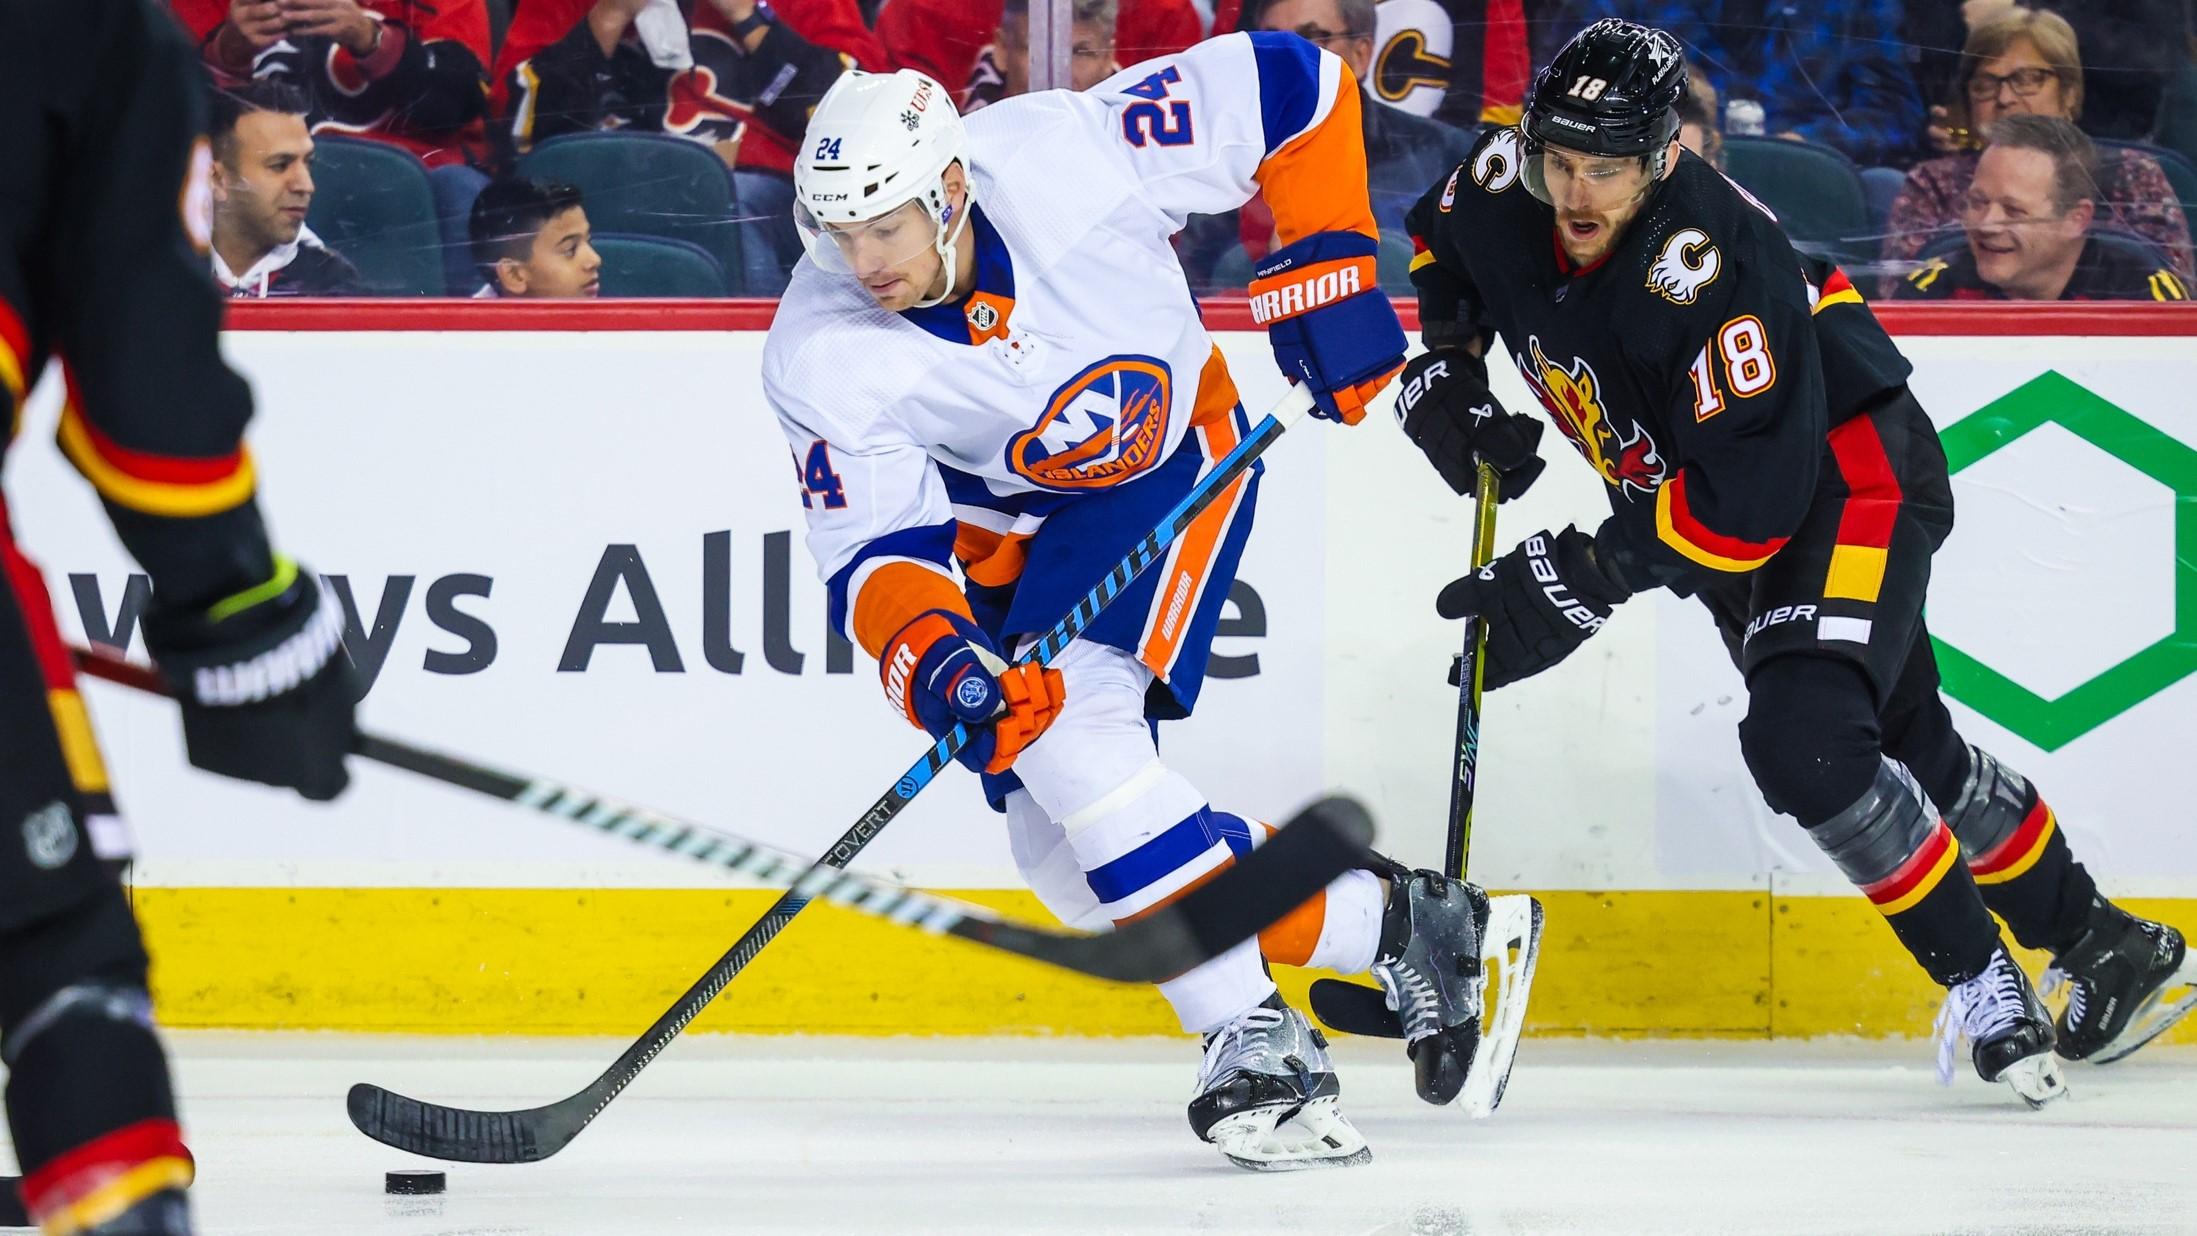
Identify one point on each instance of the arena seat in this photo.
(648, 184)
(1815, 191)
(373, 205)
(654, 266)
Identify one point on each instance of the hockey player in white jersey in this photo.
(990, 360)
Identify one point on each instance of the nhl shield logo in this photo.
(983, 316)
(49, 836)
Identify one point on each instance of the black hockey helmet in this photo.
(1613, 91)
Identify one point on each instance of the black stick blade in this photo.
(438, 1132)
(1354, 1008)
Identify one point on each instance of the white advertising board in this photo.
(579, 553)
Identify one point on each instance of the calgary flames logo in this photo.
(1573, 399)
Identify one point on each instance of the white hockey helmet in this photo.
(876, 142)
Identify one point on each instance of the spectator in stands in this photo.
(1463, 62)
(1003, 69)
(740, 78)
(1817, 70)
(406, 72)
(2028, 219)
(262, 182)
(2129, 47)
(1404, 152)
(2026, 63)
(944, 37)
(571, 66)
(1697, 128)
(531, 240)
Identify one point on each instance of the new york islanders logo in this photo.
(1574, 401)
(1100, 428)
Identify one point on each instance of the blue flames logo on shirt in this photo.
(1101, 427)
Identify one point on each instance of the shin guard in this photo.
(1903, 858)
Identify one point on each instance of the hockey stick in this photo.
(1186, 933)
(464, 1135)
(1510, 942)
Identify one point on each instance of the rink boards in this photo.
(575, 548)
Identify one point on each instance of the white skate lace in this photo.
(2078, 993)
(1413, 997)
(1979, 1008)
(1246, 1043)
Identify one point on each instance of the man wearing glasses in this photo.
(1404, 152)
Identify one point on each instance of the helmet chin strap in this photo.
(948, 241)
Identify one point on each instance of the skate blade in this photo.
(2036, 1080)
(1289, 1139)
(1510, 948)
(2156, 1016)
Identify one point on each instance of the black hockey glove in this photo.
(266, 688)
(1446, 408)
(1541, 602)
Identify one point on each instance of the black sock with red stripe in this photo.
(1812, 740)
(2018, 855)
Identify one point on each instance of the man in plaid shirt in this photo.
(1829, 73)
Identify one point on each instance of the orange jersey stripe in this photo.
(1292, 938)
(893, 596)
(1217, 397)
(1317, 181)
(1192, 560)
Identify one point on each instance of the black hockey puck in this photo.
(413, 1181)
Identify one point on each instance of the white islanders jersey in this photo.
(1079, 362)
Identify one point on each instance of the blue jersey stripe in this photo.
(1156, 859)
(934, 543)
(1289, 84)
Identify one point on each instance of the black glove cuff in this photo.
(1438, 333)
(259, 644)
(1599, 561)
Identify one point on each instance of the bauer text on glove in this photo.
(1448, 412)
(1540, 602)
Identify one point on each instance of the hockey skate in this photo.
(1441, 942)
(1268, 1097)
(2008, 1028)
(2128, 980)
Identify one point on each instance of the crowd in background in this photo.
(1973, 149)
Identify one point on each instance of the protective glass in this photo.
(1569, 180)
(862, 249)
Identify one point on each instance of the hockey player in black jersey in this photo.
(99, 106)
(1763, 454)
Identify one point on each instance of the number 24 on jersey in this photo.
(1148, 122)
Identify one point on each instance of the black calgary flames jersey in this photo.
(1698, 367)
(101, 116)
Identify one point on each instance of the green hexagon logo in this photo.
(2053, 398)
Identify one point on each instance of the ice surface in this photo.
(1073, 1136)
